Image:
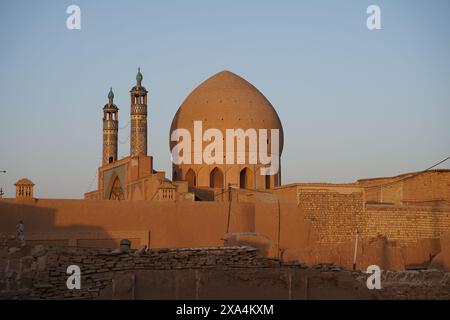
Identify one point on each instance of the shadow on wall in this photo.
(41, 227)
(92, 223)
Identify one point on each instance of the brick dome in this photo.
(224, 101)
(227, 101)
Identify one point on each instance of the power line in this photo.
(92, 182)
(99, 161)
(366, 187)
(408, 177)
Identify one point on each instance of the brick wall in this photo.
(434, 185)
(406, 224)
(409, 188)
(334, 215)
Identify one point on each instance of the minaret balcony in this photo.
(139, 109)
(108, 124)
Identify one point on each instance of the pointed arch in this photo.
(116, 192)
(191, 178)
(216, 178)
(246, 179)
(174, 175)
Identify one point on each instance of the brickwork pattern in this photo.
(406, 224)
(334, 216)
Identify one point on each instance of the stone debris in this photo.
(39, 272)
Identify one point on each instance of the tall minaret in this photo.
(110, 130)
(138, 135)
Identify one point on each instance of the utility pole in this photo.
(279, 230)
(1, 189)
(230, 186)
(229, 207)
(356, 249)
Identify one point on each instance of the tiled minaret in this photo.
(110, 130)
(138, 135)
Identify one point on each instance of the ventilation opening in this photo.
(267, 182)
(191, 178)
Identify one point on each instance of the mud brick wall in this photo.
(433, 185)
(407, 225)
(334, 215)
(411, 189)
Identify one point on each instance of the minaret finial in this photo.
(139, 77)
(111, 96)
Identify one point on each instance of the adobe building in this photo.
(401, 222)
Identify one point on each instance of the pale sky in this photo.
(354, 103)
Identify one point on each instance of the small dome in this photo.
(139, 89)
(110, 107)
(24, 182)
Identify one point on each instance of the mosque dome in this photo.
(226, 101)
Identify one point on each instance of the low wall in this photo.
(103, 223)
(39, 272)
(319, 228)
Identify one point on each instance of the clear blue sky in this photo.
(354, 103)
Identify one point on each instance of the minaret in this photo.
(138, 135)
(110, 130)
